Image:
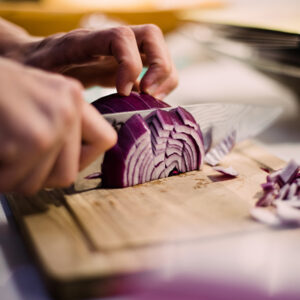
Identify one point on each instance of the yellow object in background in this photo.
(45, 17)
(282, 16)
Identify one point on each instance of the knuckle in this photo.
(123, 32)
(67, 112)
(79, 31)
(71, 36)
(75, 90)
(42, 139)
(150, 29)
(165, 67)
(135, 68)
(74, 84)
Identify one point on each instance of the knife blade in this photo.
(219, 119)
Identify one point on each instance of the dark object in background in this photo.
(274, 52)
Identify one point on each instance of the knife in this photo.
(219, 119)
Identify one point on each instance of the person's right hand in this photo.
(43, 122)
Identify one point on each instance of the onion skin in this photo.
(164, 143)
(116, 103)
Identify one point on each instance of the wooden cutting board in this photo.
(87, 240)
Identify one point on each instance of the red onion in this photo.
(282, 191)
(165, 143)
(289, 173)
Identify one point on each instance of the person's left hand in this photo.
(111, 57)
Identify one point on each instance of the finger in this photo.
(97, 134)
(167, 86)
(94, 74)
(83, 46)
(151, 42)
(36, 178)
(136, 86)
(127, 54)
(66, 166)
(17, 167)
(8, 151)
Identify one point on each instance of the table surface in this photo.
(210, 80)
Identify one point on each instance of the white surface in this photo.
(251, 259)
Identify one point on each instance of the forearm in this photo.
(12, 38)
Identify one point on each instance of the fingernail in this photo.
(160, 96)
(151, 90)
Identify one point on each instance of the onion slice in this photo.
(229, 171)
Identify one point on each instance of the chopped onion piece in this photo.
(289, 173)
(230, 171)
(268, 186)
(273, 177)
(95, 175)
(292, 191)
(287, 213)
(293, 202)
(282, 190)
(268, 198)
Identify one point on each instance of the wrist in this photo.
(20, 50)
(15, 42)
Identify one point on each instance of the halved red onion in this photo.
(164, 143)
(161, 145)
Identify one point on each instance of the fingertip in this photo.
(125, 89)
(161, 96)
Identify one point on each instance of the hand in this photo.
(43, 121)
(107, 57)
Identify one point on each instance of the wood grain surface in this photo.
(88, 235)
